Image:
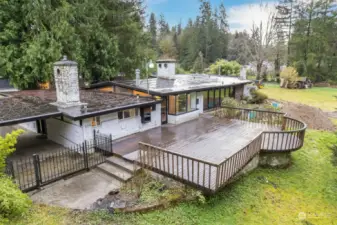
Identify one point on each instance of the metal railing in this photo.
(41, 169)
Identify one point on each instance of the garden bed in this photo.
(146, 192)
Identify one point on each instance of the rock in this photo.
(162, 188)
(99, 201)
(114, 192)
(118, 204)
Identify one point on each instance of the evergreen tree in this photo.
(105, 37)
(153, 30)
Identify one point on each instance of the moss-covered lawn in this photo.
(265, 196)
(319, 97)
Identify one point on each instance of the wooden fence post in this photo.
(37, 170)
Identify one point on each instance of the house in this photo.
(184, 97)
(68, 115)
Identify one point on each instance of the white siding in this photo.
(110, 124)
(66, 133)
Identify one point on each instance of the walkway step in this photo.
(123, 164)
(115, 172)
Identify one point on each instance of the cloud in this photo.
(242, 17)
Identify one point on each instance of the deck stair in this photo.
(119, 168)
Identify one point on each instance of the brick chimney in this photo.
(66, 83)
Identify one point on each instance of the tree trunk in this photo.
(258, 70)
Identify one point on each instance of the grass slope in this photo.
(265, 196)
(319, 97)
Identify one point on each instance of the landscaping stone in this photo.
(114, 192)
(275, 159)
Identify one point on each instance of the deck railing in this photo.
(290, 138)
(206, 175)
(286, 135)
(283, 134)
(232, 165)
(190, 170)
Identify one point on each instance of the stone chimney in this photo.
(166, 68)
(66, 83)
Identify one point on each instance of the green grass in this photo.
(308, 186)
(319, 97)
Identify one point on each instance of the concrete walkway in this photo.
(78, 192)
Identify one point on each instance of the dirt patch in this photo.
(315, 118)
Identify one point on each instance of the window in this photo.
(181, 103)
(145, 114)
(191, 101)
(95, 121)
(165, 65)
(129, 113)
(205, 99)
(222, 95)
(211, 99)
(159, 65)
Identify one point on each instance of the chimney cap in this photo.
(65, 62)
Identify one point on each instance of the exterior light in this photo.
(151, 65)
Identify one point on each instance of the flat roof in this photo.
(30, 105)
(176, 84)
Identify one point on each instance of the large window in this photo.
(217, 98)
(211, 99)
(205, 99)
(192, 101)
(182, 103)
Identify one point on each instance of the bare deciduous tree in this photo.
(263, 39)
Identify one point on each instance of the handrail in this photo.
(175, 153)
(213, 176)
(259, 110)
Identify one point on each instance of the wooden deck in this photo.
(209, 151)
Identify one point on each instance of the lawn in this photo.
(319, 97)
(265, 196)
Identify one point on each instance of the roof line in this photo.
(106, 111)
(28, 119)
(176, 92)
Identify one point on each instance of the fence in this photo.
(41, 169)
(206, 175)
(289, 134)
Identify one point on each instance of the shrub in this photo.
(13, 202)
(290, 76)
(257, 97)
(7, 147)
(226, 67)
